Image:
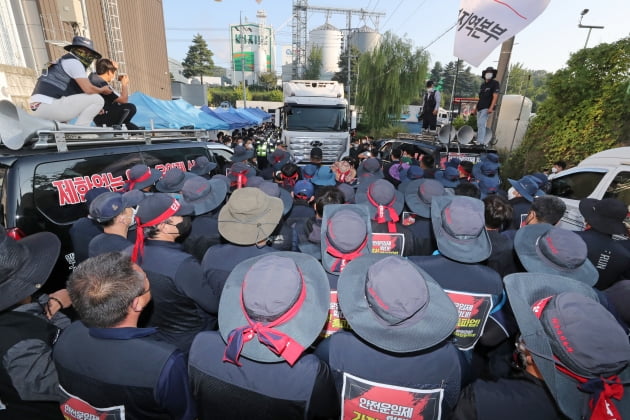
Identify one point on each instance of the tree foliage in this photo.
(529, 83)
(313, 68)
(198, 61)
(342, 75)
(268, 80)
(390, 77)
(587, 109)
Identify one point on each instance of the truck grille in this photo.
(332, 148)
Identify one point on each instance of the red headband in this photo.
(132, 182)
(138, 248)
(380, 214)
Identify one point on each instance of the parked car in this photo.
(44, 190)
(603, 175)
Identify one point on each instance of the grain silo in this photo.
(365, 38)
(329, 39)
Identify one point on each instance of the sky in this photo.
(545, 44)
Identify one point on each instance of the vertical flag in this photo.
(483, 25)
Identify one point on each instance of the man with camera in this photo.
(117, 110)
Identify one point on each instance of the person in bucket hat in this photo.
(449, 177)
(64, 92)
(141, 177)
(241, 154)
(85, 228)
(173, 181)
(183, 304)
(303, 195)
(272, 309)
(282, 236)
(115, 212)
(246, 222)
(572, 344)
(29, 326)
(418, 197)
(525, 190)
(401, 322)
(203, 167)
(386, 204)
(604, 218)
(543, 248)
(488, 97)
(459, 228)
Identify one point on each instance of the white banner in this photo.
(483, 25)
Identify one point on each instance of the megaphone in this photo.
(18, 127)
(446, 134)
(465, 134)
(489, 135)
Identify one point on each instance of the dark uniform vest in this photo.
(16, 327)
(429, 103)
(112, 372)
(55, 82)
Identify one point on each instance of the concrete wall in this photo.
(20, 82)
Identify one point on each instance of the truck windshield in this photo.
(316, 118)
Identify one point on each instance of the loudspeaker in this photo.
(487, 138)
(465, 134)
(18, 127)
(446, 134)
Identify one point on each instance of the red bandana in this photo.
(138, 248)
(341, 258)
(380, 213)
(132, 182)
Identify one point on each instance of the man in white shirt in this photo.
(63, 92)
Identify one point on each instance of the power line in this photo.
(393, 13)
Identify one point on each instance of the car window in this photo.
(619, 188)
(59, 187)
(223, 159)
(576, 186)
(165, 159)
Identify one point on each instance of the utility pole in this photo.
(590, 27)
(242, 30)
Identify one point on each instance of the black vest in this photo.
(55, 82)
(16, 327)
(429, 103)
(108, 373)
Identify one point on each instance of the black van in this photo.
(44, 190)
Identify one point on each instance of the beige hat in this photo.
(249, 216)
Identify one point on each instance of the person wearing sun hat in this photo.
(246, 222)
(449, 177)
(574, 356)
(172, 181)
(64, 92)
(386, 204)
(28, 379)
(183, 303)
(141, 177)
(115, 212)
(525, 190)
(418, 196)
(205, 197)
(543, 248)
(401, 322)
(203, 167)
(604, 218)
(488, 97)
(84, 229)
(257, 365)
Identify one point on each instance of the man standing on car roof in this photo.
(488, 97)
(430, 107)
(64, 92)
(117, 109)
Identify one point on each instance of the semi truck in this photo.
(315, 114)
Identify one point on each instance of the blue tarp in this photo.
(233, 120)
(234, 113)
(172, 114)
(263, 114)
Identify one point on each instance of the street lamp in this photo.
(590, 27)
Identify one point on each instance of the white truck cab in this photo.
(315, 114)
(603, 175)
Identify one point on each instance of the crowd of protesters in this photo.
(356, 290)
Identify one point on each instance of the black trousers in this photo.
(116, 114)
(429, 121)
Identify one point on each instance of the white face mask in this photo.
(430, 89)
(510, 193)
(554, 170)
(488, 76)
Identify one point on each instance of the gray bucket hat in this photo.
(346, 235)
(592, 344)
(173, 181)
(460, 229)
(203, 166)
(381, 193)
(420, 193)
(110, 204)
(141, 176)
(25, 265)
(273, 190)
(283, 295)
(543, 248)
(249, 216)
(204, 195)
(394, 304)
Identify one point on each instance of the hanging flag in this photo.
(483, 25)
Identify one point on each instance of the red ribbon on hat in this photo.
(138, 248)
(603, 389)
(277, 341)
(241, 179)
(343, 258)
(289, 180)
(380, 213)
(130, 183)
(343, 175)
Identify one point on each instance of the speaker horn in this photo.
(465, 134)
(489, 135)
(446, 134)
(18, 127)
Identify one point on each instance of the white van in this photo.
(603, 175)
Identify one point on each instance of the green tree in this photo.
(529, 83)
(314, 64)
(587, 109)
(342, 75)
(198, 61)
(268, 80)
(436, 72)
(390, 77)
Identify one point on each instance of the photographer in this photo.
(117, 110)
